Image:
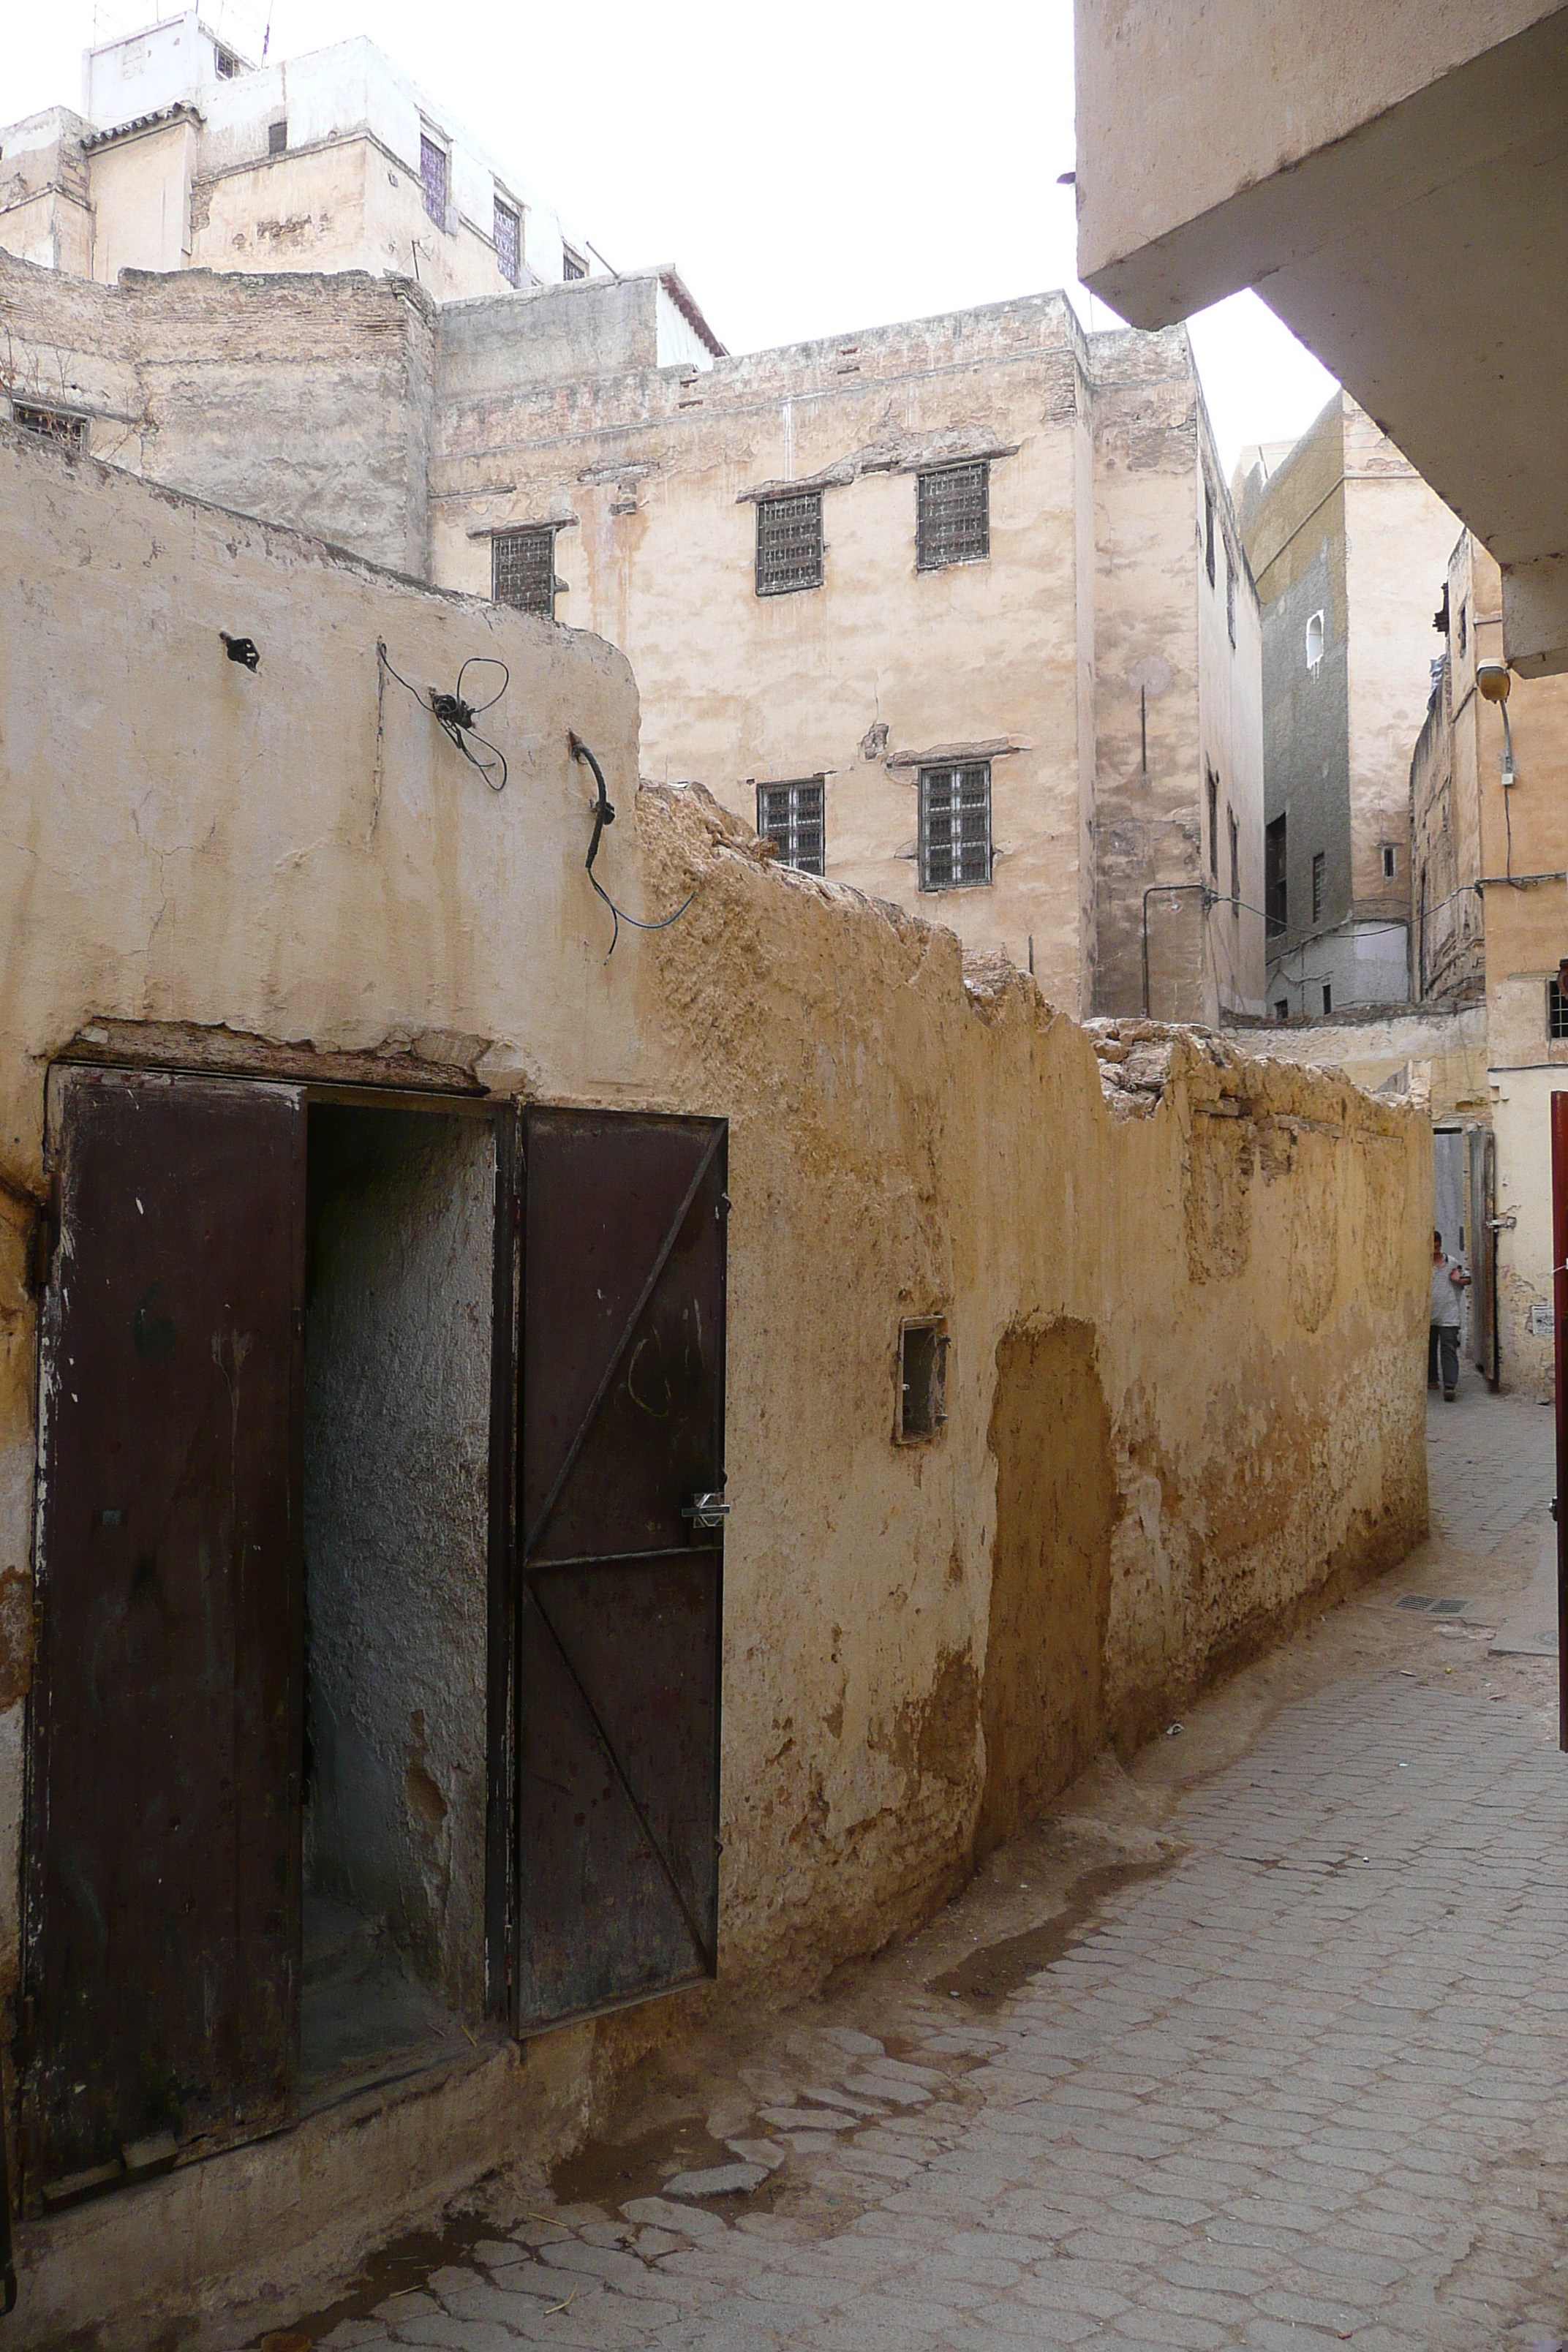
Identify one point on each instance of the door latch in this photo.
(706, 1511)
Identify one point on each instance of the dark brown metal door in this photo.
(164, 1891)
(621, 1429)
(1483, 1252)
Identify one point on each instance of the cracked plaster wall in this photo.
(1243, 1266)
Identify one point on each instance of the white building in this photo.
(188, 155)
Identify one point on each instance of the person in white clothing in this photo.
(1449, 1277)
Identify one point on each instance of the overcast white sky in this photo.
(830, 166)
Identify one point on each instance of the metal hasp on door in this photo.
(160, 1973)
(620, 1540)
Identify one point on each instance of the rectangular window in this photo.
(1208, 532)
(952, 517)
(277, 138)
(572, 265)
(51, 425)
(922, 1379)
(1282, 1008)
(435, 167)
(1556, 1010)
(1328, 998)
(1230, 596)
(226, 63)
(1214, 824)
(1276, 890)
(789, 544)
(509, 243)
(955, 827)
(1319, 878)
(1234, 862)
(522, 569)
(790, 817)
(1390, 861)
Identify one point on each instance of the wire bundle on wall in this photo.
(603, 815)
(455, 715)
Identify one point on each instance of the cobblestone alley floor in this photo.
(1262, 2042)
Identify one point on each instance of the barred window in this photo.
(955, 827)
(278, 137)
(1556, 1010)
(952, 517)
(433, 166)
(1320, 883)
(522, 569)
(790, 817)
(572, 264)
(51, 425)
(509, 243)
(789, 544)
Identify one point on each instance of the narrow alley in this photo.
(1262, 2042)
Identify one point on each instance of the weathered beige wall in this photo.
(1218, 1307)
(141, 201)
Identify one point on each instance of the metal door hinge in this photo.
(706, 1511)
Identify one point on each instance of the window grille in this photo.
(952, 517)
(790, 816)
(509, 243)
(1390, 861)
(572, 265)
(226, 63)
(277, 138)
(1319, 878)
(1556, 1010)
(433, 163)
(955, 827)
(1276, 894)
(51, 425)
(522, 569)
(789, 544)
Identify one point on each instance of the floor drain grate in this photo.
(1433, 1607)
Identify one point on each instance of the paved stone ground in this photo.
(1299, 2077)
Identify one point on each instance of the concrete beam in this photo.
(1535, 616)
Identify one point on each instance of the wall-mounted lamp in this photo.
(241, 649)
(1493, 681)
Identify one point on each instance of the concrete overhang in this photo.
(1419, 246)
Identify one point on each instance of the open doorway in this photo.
(400, 1208)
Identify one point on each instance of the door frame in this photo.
(503, 1117)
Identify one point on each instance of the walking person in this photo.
(1450, 1275)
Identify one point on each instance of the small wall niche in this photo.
(922, 1379)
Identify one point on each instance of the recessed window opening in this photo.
(1211, 782)
(922, 1379)
(1556, 1010)
(522, 569)
(1276, 888)
(790, 816)
(51, 425)
(573, 265)
(1234, 832)
(955, 827)
(952, 517)
(226, 64)
(1229, 596)
(1315, 643)
(508, 242)
(1208, 532)
(1328, 997)
(1282, 1008)
(1464, 629)
(277, 138)
(434, 177)
(789, 544)
(1390, 861)
(400, 1208)
(1320, 883)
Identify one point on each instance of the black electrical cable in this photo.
(603, 815)
(456, 717)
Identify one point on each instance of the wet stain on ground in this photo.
(988, 1976)
(610, 2173)
(401, 2268)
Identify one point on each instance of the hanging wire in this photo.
(603, 815)
(455, 715)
